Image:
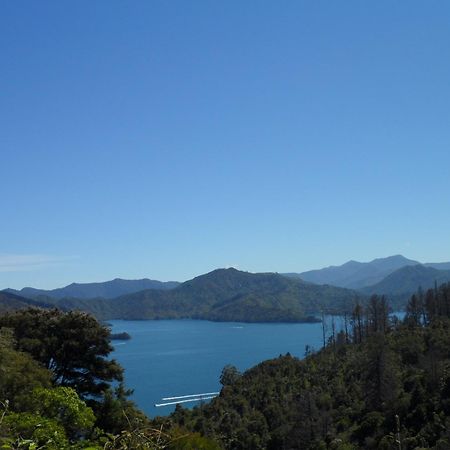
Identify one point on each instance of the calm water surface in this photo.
(169, 358)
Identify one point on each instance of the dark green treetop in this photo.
(74, 346)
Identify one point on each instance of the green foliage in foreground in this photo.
(52, 365)
(380, 385)
(73, 346)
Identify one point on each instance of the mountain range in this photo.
(230, 294)
(370, 277)
(11, 302)
(357, 275)
(107, 289)
(223, 295)
(405, 281)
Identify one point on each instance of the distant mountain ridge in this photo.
(438, 266)
(405, 281)
(223, 295)
(106, 289)
(230, 294)
(356, 275)
(11, 302)
(395, 276)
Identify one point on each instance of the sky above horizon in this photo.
(166, 139)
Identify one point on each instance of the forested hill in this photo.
(106, 289)
(378, 384)
(405, 281)
(381, 385)
(12, 302)
(224, 295)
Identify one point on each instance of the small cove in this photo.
(178, 357)
(169, 358)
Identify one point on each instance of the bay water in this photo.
(169, 358)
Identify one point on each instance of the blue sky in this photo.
(165, 139)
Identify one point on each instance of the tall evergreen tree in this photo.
(74, 346)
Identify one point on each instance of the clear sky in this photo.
(164, 139)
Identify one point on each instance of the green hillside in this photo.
(224, 295)
(380, 384)
(383, 385)
(12, 302)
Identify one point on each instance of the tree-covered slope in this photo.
(224, 294)
(12, 302)
(56, 392)
(382, 385)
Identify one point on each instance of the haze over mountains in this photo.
(394, 275)
(11, 302)
(357, 275)
(107, 289)
(224, 295)
(229, 294)
(221, 295)
(405, 281)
